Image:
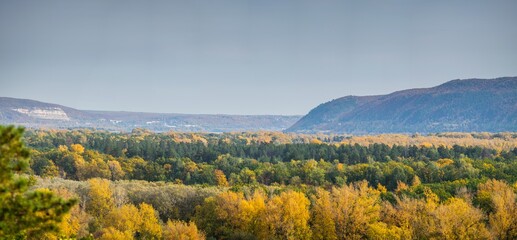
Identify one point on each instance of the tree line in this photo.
(222, 162)
(147, 210)
(141, 185)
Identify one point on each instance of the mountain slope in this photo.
(37, 114)
(458, 105)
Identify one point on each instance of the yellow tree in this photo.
(383, 231)
(177, 230)
(502, 208)
(230, 215)
(220, 178)
(229, 208)
(414, 217)
(416, 181)
(150, 227)
(112, 233)
(356, 208)
(116, 170)
(125, 219)
(286, 217)
(100, 201)
(250, 211)
(95, 167)
(391, 216)
(78, 148)
(75, 223)
(322, 222)
(458, 219)
(130, 221)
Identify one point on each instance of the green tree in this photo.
(24, 214)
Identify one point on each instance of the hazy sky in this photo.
(245, 57)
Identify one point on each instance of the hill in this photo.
(480, 105)
(35, 114)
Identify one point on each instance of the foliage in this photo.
(177, 230)
(24, 214)
(246, 158)
(144, 185)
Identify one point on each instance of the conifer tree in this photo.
(23, 213)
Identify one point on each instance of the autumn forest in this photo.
(258, 120)
(87, 184)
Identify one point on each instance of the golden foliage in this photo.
(322, 221)
(356, 207)
(381, 231)
(177, 230)
(503, 208)
(286, 217)
(74, 223)
(220, 178)
(100, 201)
(416, 181)
(125, 219)
(444, 162)
(499, 141)
(62, 148)
(77, 148)
(150, 227)
(401, 186)
(116, 170)
(111, 233)
(458, 219)
(251, 210)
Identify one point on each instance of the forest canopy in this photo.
(270, 185)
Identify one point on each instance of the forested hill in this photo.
(35, 114)
(472, 105)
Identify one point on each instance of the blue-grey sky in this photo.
(245, 57)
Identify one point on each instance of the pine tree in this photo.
(23, 213)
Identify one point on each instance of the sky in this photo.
(245, 57)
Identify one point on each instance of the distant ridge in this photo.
(36, 114)
(480, 105)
